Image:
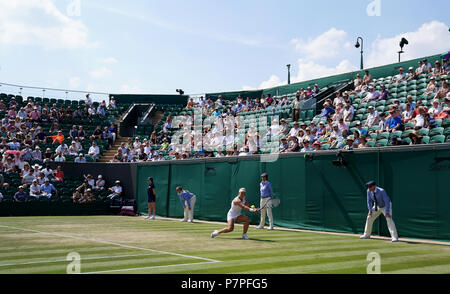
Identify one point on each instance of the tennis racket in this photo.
(273, 203)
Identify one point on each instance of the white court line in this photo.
(84, 258)
(148, 267)
(110, 243)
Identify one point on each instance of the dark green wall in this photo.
(315, 194)
(158, 99)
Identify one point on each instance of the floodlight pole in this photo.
(362, 50)
(289, 74)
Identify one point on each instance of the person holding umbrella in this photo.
(266, 196)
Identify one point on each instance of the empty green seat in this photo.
(437, 139)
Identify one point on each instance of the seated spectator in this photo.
(372, 96)
(21, 195)
(430, 122)
(283, 145)
(400, 77)
(412, 75)
(426, 67)
(306, 146)
(397, 142)
(90, 179)
(437, 70)
(407, 115)
(81, 133)
(394, 123)
(367, 78)
(444, 114)
(419, 119)
(372, 118)
(88, 197)
(443, 90)
(293, 145)
(73, 133)
(48, 155)
(419, 69)
(327, 111)
(349, 143)
(446, 66)
(435, 109)
(100, 183)
(411, 102)
(58, 139)
(35, 189)
(349, 113)
(58, 174)
(416, 138)
(116, 191)
(432, 87)
(80, 158)
(94, 151)
(363, 142)
(113, 131)
(59, 157)
(62, 148)
(360, 129)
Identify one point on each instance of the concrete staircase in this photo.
(109, 154)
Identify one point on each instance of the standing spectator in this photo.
(266, 193)
(378, 203)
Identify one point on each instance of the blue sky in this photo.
(204, 46)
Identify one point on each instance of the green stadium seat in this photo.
(436, 131)
(437, 139)
(426, 140)
(424, 132)
(381, 143)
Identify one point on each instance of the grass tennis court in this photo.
(112, 244)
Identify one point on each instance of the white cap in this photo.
(242, 190)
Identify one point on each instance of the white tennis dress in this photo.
(235, 210)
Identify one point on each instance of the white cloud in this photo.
(109, 60)
(40, 23)
(74, 83)
(308, 70)
(132, 88)
(431, 38)
(100, 73)
(326, 45)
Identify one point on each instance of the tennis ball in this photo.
(253, 207)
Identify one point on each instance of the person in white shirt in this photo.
(235, 215)
(116, 191)
(89, 101)
(373, 95)
(372, 118)
(349, 113)
(306, 146)
(35, 189)
(400, 77)
(420, 119)
(293, 132)
(435, 109)
(338, 99)
(94, 151)
(426, 67)
(419, 69)
(63, 148)
(100, 183)
(407, 114)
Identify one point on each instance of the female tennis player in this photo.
(235, 216)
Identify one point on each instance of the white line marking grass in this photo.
(118, 244)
